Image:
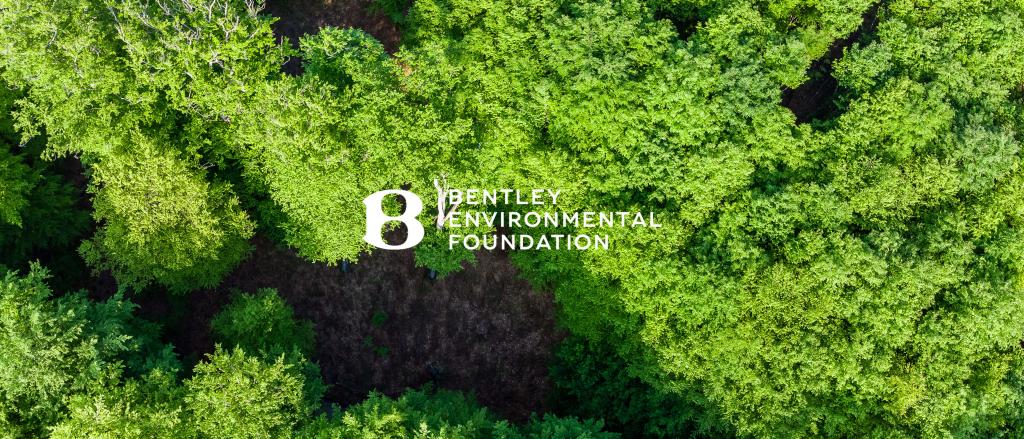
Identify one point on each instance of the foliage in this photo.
(235, 395)
(264, 326)
(70, 381)
(854, 279)
(50, 220)
(433, 253)
(429, 413)
(149, 407)
(417, 413)
(38, 209)
(553, 427)
(16, 180)
(144, 89)
(163, 222)
(808, 277)
(52, 348)
(263, 322)
(592, 381)
(858, 275)
(322, 142)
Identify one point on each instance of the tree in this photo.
(162, 221)
(416, 413)
(855, 275)
(808, 277)
(322, 142)
(816, 290)
(53, 348)
(554, 427)
(592, 382)
(147, 407)
(263, 322)
(236, 395)
(430, 413)
(264, 326)
(16, 180)
(123, 83)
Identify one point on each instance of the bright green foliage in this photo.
(860, 279)
(264, 326)
(205, 56)
(163, 222)
(52, 348)
(441, 414)
(109, 80)
(423, 413)
(263, 322)
(97, 69)
(854, 276)
(65, 54)
(235, 395)
(322, 142)
(808, 280)
(433, 252)
(144, 408)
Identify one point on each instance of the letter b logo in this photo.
(376, 218)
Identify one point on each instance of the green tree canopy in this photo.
(234, 395)
(52, 348)
(16, 180)
(429, 413)
(162, 221)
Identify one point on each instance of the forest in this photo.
(838, 187)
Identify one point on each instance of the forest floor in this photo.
(384, 325)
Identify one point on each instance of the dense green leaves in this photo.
(321, 143)
(591, 381)
(17, 181)
(52, 348)
(234, 395)
(807, 280)
(148, 407)
(140, 90)
(162, 221)
(817, 292)
(427, 413)
(262, 322)
(856, 275)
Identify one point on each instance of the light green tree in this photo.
(148, 407)
(236, 395)
(162, 221)
(52, 348)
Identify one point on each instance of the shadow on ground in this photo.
(385, 325)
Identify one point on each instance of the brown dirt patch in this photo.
(301, 17)
(385, 325)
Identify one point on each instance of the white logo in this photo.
(376, 219)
